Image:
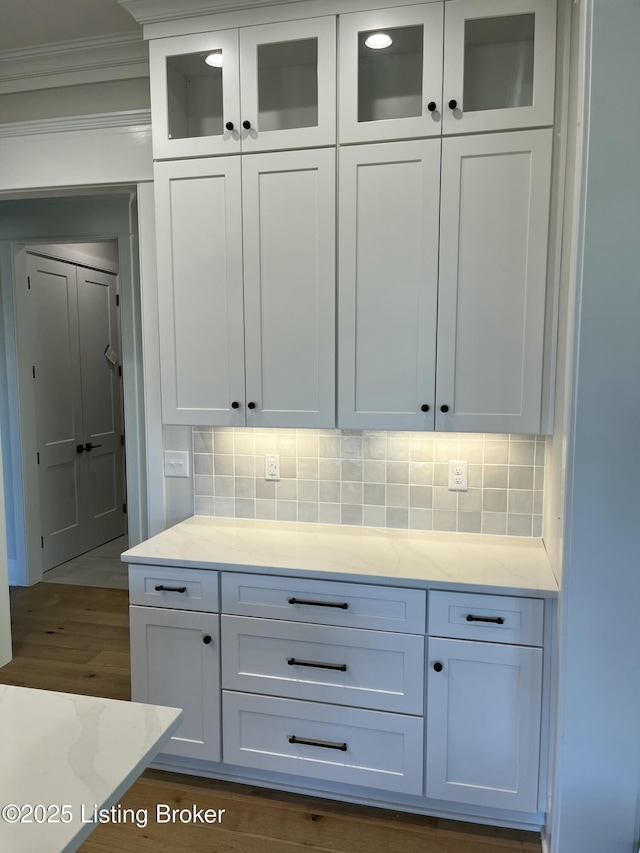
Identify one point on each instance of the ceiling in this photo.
(27, 23)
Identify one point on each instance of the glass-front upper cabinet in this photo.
(391, 73)
(499, 64)
(254, 89)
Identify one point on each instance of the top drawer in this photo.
(383, 608)
(495, 618)
(179, 589)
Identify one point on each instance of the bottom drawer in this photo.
(329, 742)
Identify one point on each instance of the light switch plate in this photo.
(176, 463)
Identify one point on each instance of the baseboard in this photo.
(544, 841)
(13, 572)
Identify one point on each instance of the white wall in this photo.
(598, 756)
(5, 619)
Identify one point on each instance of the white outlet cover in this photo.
(457, 475)
(176, 463)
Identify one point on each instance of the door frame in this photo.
(22, 439)
(28, 428)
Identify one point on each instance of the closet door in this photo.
(289, 285)
(388, 272)
(493, 269)
(199, 238)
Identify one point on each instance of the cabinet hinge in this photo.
(118, 299)
(119, 370)
(42, 541)
(122, 440)
(124, 508)
(38, 457)
(29, 282)
(33, 370)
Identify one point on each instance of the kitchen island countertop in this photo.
(503, 564)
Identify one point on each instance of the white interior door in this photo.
(81, 503)
(101, 404)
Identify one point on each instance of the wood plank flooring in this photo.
(76, 639)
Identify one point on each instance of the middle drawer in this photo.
(345, 666)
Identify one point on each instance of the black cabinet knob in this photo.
(444, 408)
(229, 125)
(453, 104)
(437, 666)
(424, 407)
(246, 125)
(79, 448)
(235, 405)
(206, 639)
(431, 106)
(251, 405)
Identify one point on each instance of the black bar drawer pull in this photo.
(326, 744)
(497, 619)
(162, 588)
(341, 604)
(342, 667)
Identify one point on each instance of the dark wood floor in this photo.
(76, 639)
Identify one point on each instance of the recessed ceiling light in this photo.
(377, 41)
(214, 59)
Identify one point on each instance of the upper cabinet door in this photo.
(493, 264)
(388, 272)
(391, 73)
(289, 274)
(199, 245)
(288, 84)
(195, 95)
(499, 64)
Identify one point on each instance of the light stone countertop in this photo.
(60, 749)
(461, 561)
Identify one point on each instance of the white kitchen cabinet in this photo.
(175, 662)
(388, 284)
(483, 723)
(494, 221)
(271, 86)
(246, 276)
(490, 204)
(464, 66)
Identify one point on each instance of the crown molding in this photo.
(158, 11)
(95, 60)
(130, 120)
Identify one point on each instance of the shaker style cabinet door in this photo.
(200, 302)
(288, 84)
(499, 65)
(493, 266)
(390, 84)
(195, 95)
(289, 288)
(483, 724)
(175, 658)
(388, 273)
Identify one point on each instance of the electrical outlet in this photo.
(457, 476)
(176, 463)
(272, 467)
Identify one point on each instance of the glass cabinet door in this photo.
(287, 80)
(391, 73)
(499, 64)
(195, 95)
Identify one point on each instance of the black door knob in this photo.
(437, 666)
(79, 448)
(246, 125)
(424, 407)
(444, 408)
(453, 104)
(431, 106)
(251, 405)
(235, 405)
(206, 639)
(88, 446)
(229, 125)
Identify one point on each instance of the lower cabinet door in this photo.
(327, 742)
(483, 723)
(175, 661)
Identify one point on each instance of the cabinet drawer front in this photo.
(299, 600)
(348, 745)
(179, 589)
(349, 666)
(497, 618)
